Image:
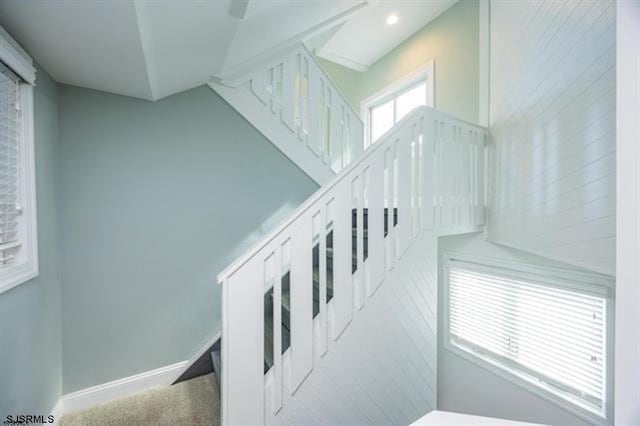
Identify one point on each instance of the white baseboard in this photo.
(57, 412)
(107, 392)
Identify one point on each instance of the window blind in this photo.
(10, 131)
(550, 335)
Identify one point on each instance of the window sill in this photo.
(529, 384)
(13, 276)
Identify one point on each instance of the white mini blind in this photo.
(10, 134)
(553, 336)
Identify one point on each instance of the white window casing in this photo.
(18, 227)
(548, 330)
(417, 83)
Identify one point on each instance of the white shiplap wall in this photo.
(552, 122)
(382, 369)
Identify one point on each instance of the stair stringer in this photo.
(382, 368)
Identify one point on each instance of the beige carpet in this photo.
(192, 402)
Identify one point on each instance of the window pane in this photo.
(381, 119)
(411, 99)
(10, 132)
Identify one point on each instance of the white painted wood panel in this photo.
(377, 343)
(242, 310)
(552, 122)
(379, 371)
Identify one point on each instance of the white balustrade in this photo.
(427, 172)
(293, 102)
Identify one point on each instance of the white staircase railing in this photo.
(427, 172)
(294, 103)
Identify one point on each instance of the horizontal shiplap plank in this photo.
(382, 369)
(552, 181)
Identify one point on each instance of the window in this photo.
(543, 328)
(388, 106)
(18, 246)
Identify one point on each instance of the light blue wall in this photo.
(30, 354)
(157, 199)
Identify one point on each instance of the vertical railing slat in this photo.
(336, 133)
(482, 177)
(389, 158)
(243, 345)
(288, 91)
(314, 140)
(375, 262)
(301, 301)
(277, 330)
(404, 189)
(429, 173)
(356, 133)
(358, 276)
(342, 304)
(323, 317)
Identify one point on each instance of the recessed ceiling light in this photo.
(392, 19)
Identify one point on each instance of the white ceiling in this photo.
(365, 37)
(150, 49)
(144, 49)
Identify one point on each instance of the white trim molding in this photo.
(16, 58)
(107, 392)
(627, 374)
(342, 60)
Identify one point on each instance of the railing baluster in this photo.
(482, 162)
(375, 214)
(315, 105)
(277, 330)
(342, 304)
(336, 135)
(322, 272)
(288, 92)
(301, 302)
(403, 185)
(388, 208)
(243, 344)
(429, 172)
(356, 241)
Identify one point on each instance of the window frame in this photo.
(15, 58)
(590, 283)
(423, 74)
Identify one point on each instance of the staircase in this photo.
(332, 317)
